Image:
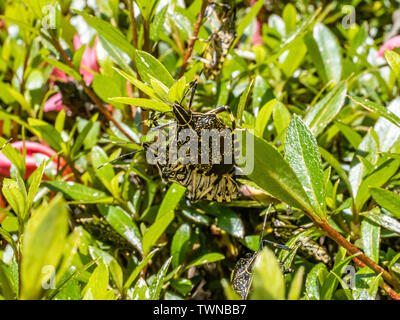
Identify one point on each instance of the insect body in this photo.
(220, 40)
(212, 179)
(242, 273)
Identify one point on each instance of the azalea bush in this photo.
(313, 85)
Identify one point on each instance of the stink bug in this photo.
(242, 273)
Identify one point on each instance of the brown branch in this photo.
(361, 259)
(192, 40)
(133, 23)
(87, 89)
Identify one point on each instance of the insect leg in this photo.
(222, 109)
(7, 142)
(277, 245)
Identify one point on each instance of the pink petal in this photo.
(54, 103)
(31, 149)
(59, 75)
(389, 45)
(89, 60)
(257, 38)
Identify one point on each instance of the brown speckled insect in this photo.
(242, 273)
(221, 38)
(211, 181)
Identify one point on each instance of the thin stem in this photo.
(361, 258)
(87, 90)
(192, 40)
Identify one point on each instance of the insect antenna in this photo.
(260, 246)
(117, 158)
(7, 142)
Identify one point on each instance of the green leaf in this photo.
(371, 237)
(148, 67)
(303, 156)
(263, 117)
(14, 155)
(171, 199)
(81, 137)
(141, 290)
(42, 245)
(15, 194)
(376, 179)
(105, 173)
(374, 107)
(76, 191)
(242, 102)
(268, 280)
(177, 91)
(282, 118)
(388, 132)
(247, 20)
(35, 180)
(97, 286)
(62, 66)
(109, 32)
(273, 174)
(393, 59)
(331, 281)
(47, 132)
(155, 288)
(206, 258)
(180, 245)
(123, 224)
(156, 230)
(322, 113)
(367, 151)
(314, 281)
(324, 50)
(383, 220)
(144, 103)
(351, 135)
(105, 87)
(337, 166)
(139, 268)
(137, 83)
(296, 285)
(387, 199)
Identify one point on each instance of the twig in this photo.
(361, 259)
(133, 23)
(87, 90)
(192, 40)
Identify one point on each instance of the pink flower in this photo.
(31, 149)
(54, 103)
(257, 38)
(89, 61)
(389, 45)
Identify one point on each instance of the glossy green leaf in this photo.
(374, 107)
(109, 32)
(42, 245)
(180, 245)
(273, 174)
(303, 156)
(76, 191)
(242, 102)
(155, 288)
(324, 49)
(206, 258)
(376, 179)
(143, 103)
(148, 67)
(382, 220)
(314, 281)
(156, 230)
(97, 286)
(387, 199)
(393, 60)
(268, 280)
(322, 113)
(370, 234)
